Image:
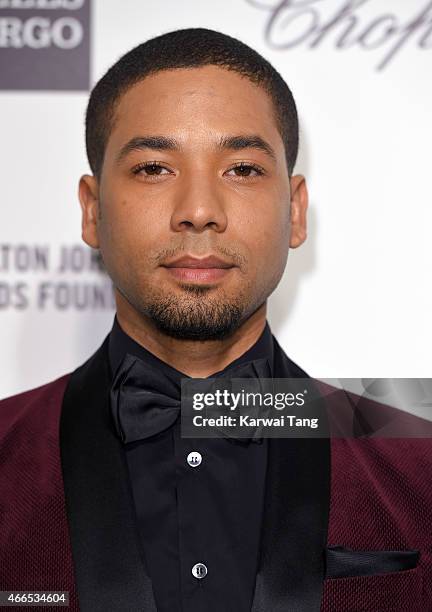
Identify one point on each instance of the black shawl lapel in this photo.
(294, 533)
(109, 564)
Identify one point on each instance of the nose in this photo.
(199, 204)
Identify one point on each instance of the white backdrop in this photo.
(355, 300)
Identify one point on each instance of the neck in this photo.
(198, 359)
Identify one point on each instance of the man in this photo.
(192, 139)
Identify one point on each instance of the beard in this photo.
(196, 314)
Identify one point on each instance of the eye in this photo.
(150, 169)
(245, 170)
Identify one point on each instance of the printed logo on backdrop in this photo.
(366, 25)
(45, 45)
(43, 277)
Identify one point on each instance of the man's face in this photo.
(194, 166)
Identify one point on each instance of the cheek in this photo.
(265, 230)
(129, 213)
(128, 231)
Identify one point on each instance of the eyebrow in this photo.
(237, 143)
(164, 143)
(139, 143)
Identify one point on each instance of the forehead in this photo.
(194, 104)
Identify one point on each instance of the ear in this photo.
(88, 192)
(299, 204)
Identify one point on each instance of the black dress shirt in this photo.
(208, 513)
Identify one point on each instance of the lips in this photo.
(188, 261)
(193, 269)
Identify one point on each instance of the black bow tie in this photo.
(146, 401)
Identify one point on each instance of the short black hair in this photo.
(188, 48)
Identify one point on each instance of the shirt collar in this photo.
(121, 343)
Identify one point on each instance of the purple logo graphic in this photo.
(292, 23)
(45, 45)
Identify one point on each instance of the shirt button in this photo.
(194, 459)
(199, 570)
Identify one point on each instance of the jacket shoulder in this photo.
(36, 403)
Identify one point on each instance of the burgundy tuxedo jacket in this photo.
(347, 522)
